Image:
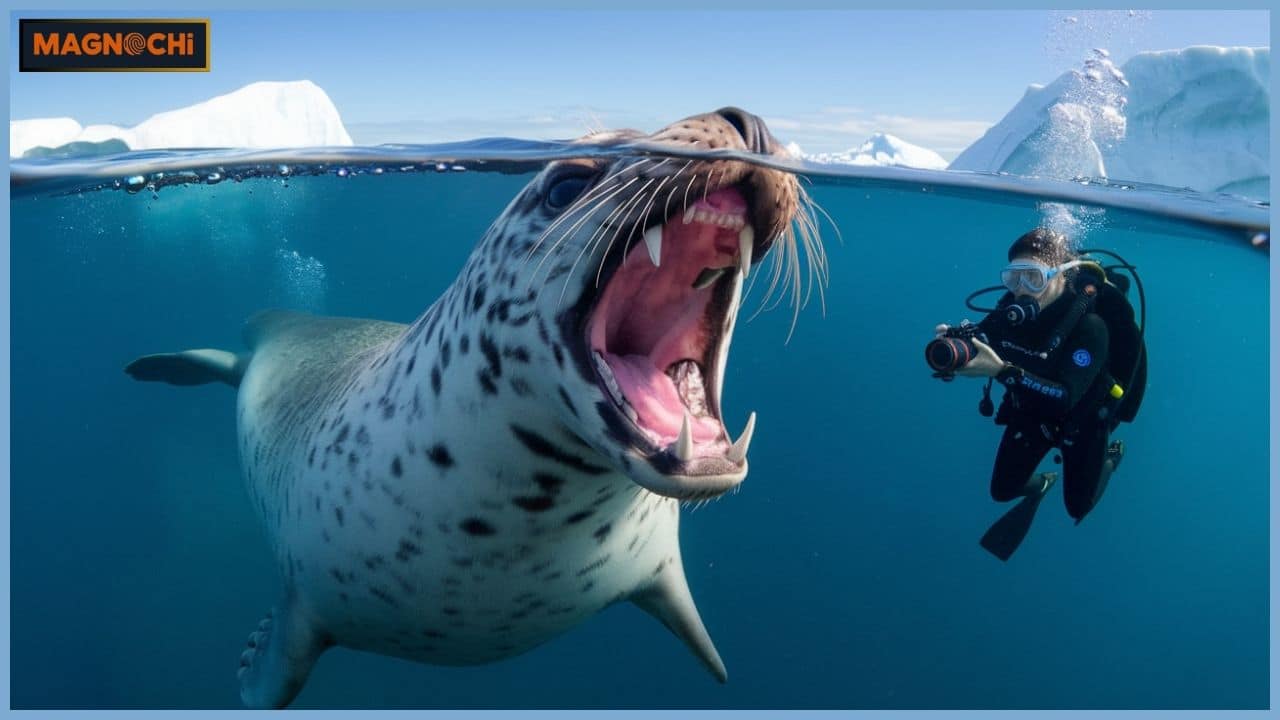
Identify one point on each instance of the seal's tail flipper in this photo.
(281, 653)
(189, 367)
(669, 600)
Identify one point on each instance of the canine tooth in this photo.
(707, 277)
(684, 443)
(653, 241)
(746, 241)
(738, 452)
(688, 214)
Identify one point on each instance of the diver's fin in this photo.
(189, 367)
(281, 653)
(1006, 534)
(667, 598)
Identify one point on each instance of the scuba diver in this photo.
(1064, 344)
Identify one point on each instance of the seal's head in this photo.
(639, 263)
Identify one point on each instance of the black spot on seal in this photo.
(476, 526)
(439, 455)
(543, 447)
(536, 503)
(577, 517)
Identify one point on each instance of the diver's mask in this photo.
(1031, 277)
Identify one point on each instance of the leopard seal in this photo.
(463, 488)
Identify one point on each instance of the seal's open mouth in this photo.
(659, 334)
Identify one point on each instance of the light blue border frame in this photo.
(188, 7)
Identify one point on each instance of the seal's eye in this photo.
(565, 190)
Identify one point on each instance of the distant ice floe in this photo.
(882, 149)
(259, 115)
(1197, 118)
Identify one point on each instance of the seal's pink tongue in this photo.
(655, 399)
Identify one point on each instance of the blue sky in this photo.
(825, 79)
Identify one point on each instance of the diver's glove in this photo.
(985, 364)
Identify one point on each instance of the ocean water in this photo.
(846, 572)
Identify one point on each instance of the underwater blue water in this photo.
(846, 572)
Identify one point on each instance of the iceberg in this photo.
(1197, 118)
(881, 149)
(41, 132)
(259, 115)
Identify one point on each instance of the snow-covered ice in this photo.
(259, 115)
(1197, 118)
(881, 149)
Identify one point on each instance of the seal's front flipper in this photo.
(667, 598)
(1006, 534)
(281, 653)
(189, 367)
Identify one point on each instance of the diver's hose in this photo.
(968, 302)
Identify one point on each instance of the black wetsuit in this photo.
(1052, 401)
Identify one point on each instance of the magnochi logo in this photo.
(112, 44)
(92, 43)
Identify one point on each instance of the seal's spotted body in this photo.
(467, 541)
(464, 488)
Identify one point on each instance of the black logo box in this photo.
(28, 61)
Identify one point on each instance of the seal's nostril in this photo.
(740, 121)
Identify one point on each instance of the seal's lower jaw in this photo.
(658, 337)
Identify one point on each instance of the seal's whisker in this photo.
(600, 202)
(572, 230)
(600, 188)
(815, 271)
(615, 174)
(666, 208)
(687, 188)
(706, 189)
(644, 214)
(565, 216)
(609, 248)
(775, 263)
(586, 214)
(594, 241)
(581, 202)
(813, 239)
(590, 241)
(810, 203)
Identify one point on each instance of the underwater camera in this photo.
(954, 349)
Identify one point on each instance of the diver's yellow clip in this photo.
(1117, 392)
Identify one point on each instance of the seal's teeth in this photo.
(738, 452)
(653, 241)
(683, 446)
(746, 241)
(606, 373)
(707, 277)
(688, 214)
